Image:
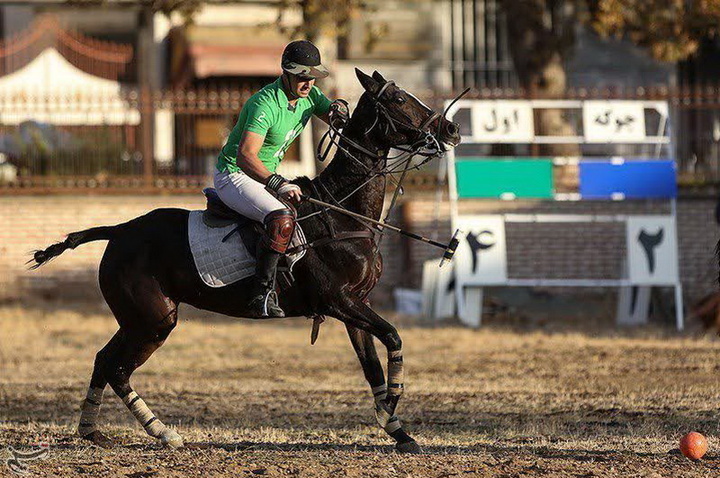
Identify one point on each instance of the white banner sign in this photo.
(652, 250)
(502, 122)
(613, 121)
(481, 257)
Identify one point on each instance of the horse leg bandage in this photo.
(380, 392)
(90, 410)
(395, 373)
(393, 425)
(389, 423)
(152, 425)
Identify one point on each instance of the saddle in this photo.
(218, 215)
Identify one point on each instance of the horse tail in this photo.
(74, 239)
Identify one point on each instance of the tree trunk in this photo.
(540, 32)
(319, 27)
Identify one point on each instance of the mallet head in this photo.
(451, 248)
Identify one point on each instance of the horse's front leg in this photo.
(356, 314)
(364, 347)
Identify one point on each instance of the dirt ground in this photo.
(255, 399)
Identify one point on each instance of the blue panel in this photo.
(636, 179)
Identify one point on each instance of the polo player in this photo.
(245, 177)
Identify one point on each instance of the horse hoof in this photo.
(171, 439)
(99, 439)
(408, 447)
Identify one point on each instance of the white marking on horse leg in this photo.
(90, 410)
(152, 425)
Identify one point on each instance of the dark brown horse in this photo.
(148, 268)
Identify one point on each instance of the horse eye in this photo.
(399, 100)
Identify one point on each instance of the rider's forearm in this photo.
(253, 167)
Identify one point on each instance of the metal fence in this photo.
(102, 143)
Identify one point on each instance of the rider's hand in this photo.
(290, 192)
(339, 113)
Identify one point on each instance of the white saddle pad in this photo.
(222, 263)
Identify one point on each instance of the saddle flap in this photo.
(214, 221)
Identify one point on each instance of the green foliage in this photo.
(671, 29)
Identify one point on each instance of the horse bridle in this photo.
(428, 140)
(427, 146)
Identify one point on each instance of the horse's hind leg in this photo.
(132, 352)
(146, 317)
(87, 428)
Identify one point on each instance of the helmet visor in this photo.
(304, 71)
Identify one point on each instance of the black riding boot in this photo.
(264, 299)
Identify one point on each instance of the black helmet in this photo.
(302, 58)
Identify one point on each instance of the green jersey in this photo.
(268, 114)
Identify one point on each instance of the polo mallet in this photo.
(449, 248)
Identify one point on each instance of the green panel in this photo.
(492, 178)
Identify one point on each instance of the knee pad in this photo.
(279, 227)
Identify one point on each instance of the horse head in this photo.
(405, 121)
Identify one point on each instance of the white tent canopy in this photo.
(50, 89)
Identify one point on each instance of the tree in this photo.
(541, 36)
(323, 23)
(672, 29)
(541, 32)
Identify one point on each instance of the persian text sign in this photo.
(481, 256)
(502, 122)
(613, 121)
(652, 250)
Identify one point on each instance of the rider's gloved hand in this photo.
(339, 113)
(283, 188)
(290, 192)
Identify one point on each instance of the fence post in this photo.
(146, 63)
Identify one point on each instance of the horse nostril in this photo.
(453, 129)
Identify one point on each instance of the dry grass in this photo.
(256, 398)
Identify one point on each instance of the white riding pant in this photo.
(243, 194)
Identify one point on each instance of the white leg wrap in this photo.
(389, 423)
(395, 373)
(380, 392)
(393, 424)
(150, 422)
(382, 416)
(90, 410)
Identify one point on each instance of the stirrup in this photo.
(268, 309)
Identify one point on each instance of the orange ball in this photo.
(693, 445)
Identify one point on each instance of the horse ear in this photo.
(367, 82)
(378, 77)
